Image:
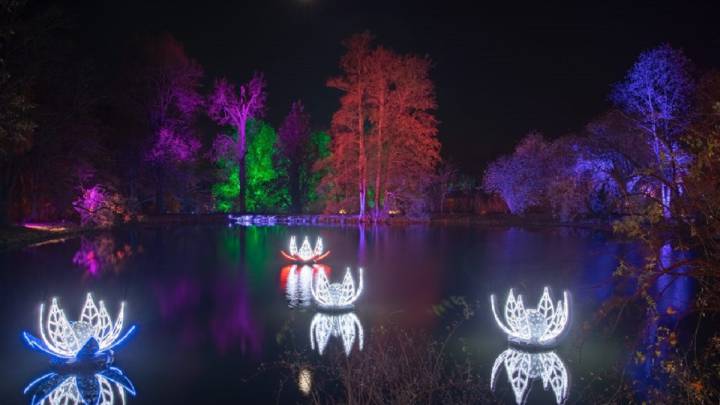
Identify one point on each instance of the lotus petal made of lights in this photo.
(523, 367)
(92, 335)
(305, 254)
(104, 387)
(337, 295)
(539, 326)
(346, 326)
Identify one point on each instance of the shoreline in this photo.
(17, 236)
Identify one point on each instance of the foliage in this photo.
(384, 144)
(519, 178)
(265, 193)
(170, 147)
(293, 136)
(316, 149)
(100, 206)
(235, 108)
(227, 192)
(656, 95)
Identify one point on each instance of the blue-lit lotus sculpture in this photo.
(345, 326)
(540, 326)
(305, 254)
(337, 296)
(103, 387)
(93, 335)
(522, 368)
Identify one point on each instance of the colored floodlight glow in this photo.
(523, 367)
(94, 333)
(337, 295)
(346, 326)
(305, 254)
(539, 326)
(104, 387)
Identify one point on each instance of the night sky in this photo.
(498, 72)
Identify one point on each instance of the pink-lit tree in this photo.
(294, 133)
(235, 107)
(100, 206)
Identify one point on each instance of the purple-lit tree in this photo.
(294, 133)
(656, 96)
(235, 107)
(100, 206)
(520, 178)
(168, 91)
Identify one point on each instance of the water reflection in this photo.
(345, 326)
(100, 254)
(297, 281)
(105, 386)
(305, 381)
(523, 367)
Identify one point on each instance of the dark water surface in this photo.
(211, 303)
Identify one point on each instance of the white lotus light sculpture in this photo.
(305, 254)
(91, 336)
(539, 326)
(523, 367)
(104, 387)
(337, 295)
(346, 326)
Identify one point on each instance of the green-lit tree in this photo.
(316, 149)
(266, 177)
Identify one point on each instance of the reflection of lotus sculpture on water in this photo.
(539, 326)
(305, 254)
(103, 387)
(298, 283)
(346, 326)
(93, 335)
(337, 295)
(523, 367)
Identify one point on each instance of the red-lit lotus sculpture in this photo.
(305, 254)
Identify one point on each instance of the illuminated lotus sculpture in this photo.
(93, 335)
(346, 326)
(305, 254)
(104, 387)
(539, 326)
(337, 296)
(523, 367)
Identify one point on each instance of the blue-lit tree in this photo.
(656, 95)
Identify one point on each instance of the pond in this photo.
(211, 303)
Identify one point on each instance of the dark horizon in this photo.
(498, 75)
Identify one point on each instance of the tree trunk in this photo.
(362, 174)
(241, 164)
(243, 183)
(294, 179)
(7, 183)
(159, 192)
(378, 157)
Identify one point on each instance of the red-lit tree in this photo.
(384, 134)
(228, 106)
